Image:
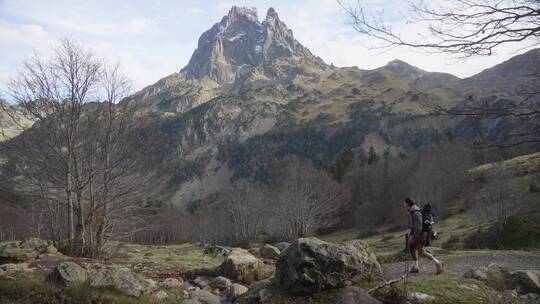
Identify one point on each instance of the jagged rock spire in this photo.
(240, 43)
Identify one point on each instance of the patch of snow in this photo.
(258, 48)
(237, 36)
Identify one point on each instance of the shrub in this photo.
(518, 232)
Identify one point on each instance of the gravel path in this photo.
(458, 265)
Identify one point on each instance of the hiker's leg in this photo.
(414, 255)
(427, 255)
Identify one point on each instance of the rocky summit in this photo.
(241, 46)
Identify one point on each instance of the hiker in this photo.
(416, 237)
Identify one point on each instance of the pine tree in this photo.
(372, 157)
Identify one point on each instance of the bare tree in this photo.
(306, 199)
(247, 207)
(79, 154)
(467, 28)
(461, 27)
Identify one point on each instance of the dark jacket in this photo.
(415, 221)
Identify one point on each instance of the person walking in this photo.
(416, 237)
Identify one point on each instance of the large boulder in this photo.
(310, 265)
(122, 279)
(526, 281)
(269, 252)
(242, 266)
(68, 273)
(355, 295)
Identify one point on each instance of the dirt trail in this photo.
(458, 265)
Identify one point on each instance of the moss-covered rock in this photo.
(310, 265)
(68, 273)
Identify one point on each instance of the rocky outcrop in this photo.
(242, 266)
(68, 273)
(310, 265)
(122, 279)
(269, 252)
(355, 295)
(26, 250)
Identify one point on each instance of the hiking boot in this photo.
(414, 270)
(440, 268)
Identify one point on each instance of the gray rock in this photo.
(530, 298)
(217, 250)
(269, 252)
(220, 283)
(493, 275)
(204, 297)
(418, 298)
(51, 249)
(235, 291)
(477, 274)
(171, 283)
(526, 281)
(241, 266)
(122, 279)
(355, 295)
(68, 273)
(36, 244)
(202, 282)
(10, 268)
(160, 295)
(15, 252)
(310, 265)
(282, 246)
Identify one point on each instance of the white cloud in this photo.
(155, 38)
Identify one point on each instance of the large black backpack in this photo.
(428, 219)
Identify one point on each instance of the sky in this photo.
(155, 38)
